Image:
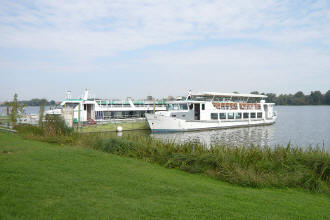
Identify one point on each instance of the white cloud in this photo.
(296, 35)
(108, 27)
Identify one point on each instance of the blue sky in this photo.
(138, 48)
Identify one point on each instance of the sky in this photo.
(138, 48)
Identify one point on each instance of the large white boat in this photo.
(211, 110)
(93, 110)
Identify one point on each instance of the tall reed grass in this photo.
(254, 166)
(246, 165)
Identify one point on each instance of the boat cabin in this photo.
(221, 106)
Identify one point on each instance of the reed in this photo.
(253, 166)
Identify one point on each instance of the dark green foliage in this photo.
(299, 98)
(37, 102)
(327, 98)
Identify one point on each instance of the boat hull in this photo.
(160, 123)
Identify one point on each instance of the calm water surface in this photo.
(27, 109)
(301, 126)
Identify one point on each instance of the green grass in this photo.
(39, 180)
(134, 125)
(246, 165)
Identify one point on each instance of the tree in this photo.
(327, 98)
(41, 112)
(271, 97)
(299, 99)
(16, 110)
(316, 98)
(299, 94)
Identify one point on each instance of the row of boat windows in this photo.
(120, 114)
(177, 107)
(128, 105)
(237, 115)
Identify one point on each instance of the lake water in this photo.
(27, 109)
(302, 126)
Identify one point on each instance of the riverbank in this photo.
(42, 180)
(253, 166)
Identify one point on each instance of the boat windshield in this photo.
(71, 105)
(182, 106)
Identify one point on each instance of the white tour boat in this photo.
(93, 110)
(211, 110)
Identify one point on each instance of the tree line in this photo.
(299, 98)
(35, 102)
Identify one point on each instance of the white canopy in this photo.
(217, 94)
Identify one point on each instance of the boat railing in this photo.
(225, 106)
(128, 106)
(234, 106)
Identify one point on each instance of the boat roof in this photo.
(218, 94)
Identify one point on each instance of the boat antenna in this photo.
(86, 94)
(68, 94)
(189, 95)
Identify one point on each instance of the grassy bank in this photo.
(126, 125)
(246, 166)
(40, 180)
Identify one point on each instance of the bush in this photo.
(54, 125)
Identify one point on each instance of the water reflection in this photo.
(302, 126)
(261, 135)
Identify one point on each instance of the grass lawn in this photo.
(134, 125)
(40, 181)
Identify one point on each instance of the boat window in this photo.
(176, 107)
(222, 115)
(231, 115)
(173, 116)
(245, 115)
(238, 115)
(173, 107)
(183, 107)
(214, 116)
(253, 115)
(71, 105)
(259, 115)
(203, 106)
(191, 106)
